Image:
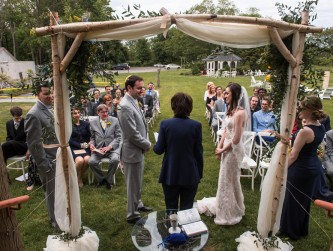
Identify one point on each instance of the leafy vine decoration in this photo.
(310, 78)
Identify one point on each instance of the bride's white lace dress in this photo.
(228, 205)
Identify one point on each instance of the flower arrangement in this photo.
(321, 151)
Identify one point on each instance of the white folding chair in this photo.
(220, 116)
(249, 165)
(255, 83)
(17, 163)
(260, 150)
(104, 168)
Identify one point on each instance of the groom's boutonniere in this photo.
(108, 123)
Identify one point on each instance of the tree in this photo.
(223, 7)
(143, 52)
(11, 239)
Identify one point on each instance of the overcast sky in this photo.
(267, 7)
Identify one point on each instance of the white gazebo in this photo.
(218, 61)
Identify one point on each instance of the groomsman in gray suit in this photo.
(39, 128)
(135, 144)
(105, 140)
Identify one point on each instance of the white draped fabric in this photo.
(88, 242)
(229, 34)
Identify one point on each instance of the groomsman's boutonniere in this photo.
(108, 123)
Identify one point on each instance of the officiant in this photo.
(180, 139)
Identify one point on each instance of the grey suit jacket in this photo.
(134, 130)
(39, 128)
(111, 136)
(328, 156)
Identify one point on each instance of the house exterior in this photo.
(10, 66)
(221, 61)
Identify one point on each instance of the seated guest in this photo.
(219, 106)
(16, 138)
(147, 104)
(116, 87)
(116, 101)
(211, 97)
(326, 122)
(151, 92)
(109, 103)
(219, 93)
(328, 158)
(96, 97)
(157, 105)
(262, 92)
(79, 143)
(104, 143)
(206, 92)
(108, 90)
(180, 139)
(88, 108)
(253, 107)
(264, 120)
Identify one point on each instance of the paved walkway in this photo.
(21, 99)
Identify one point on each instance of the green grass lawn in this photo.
(104, 211)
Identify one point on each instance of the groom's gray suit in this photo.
(135, 143)
(111, 136)
(39, 128)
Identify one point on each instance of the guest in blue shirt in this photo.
(264, 120)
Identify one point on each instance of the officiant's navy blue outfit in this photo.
(180, 139)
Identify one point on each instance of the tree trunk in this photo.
(158, 77)
(10, 238)
(12, 31)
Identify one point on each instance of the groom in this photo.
(135, 144)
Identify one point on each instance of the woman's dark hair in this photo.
(236, 91)
(181, 104)
(314, 104)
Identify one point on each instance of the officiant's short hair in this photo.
(181, 104)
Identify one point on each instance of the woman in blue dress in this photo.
(304, 170)
(79, 143)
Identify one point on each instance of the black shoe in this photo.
(99, 184)
(109, 186)
(145, 209)
(133, 220)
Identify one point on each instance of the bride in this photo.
(228, 205)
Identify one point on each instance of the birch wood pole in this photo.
(114, 24)
(58, 99)
(295, 82)
(72, 51)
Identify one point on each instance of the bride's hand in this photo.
(218, 151)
